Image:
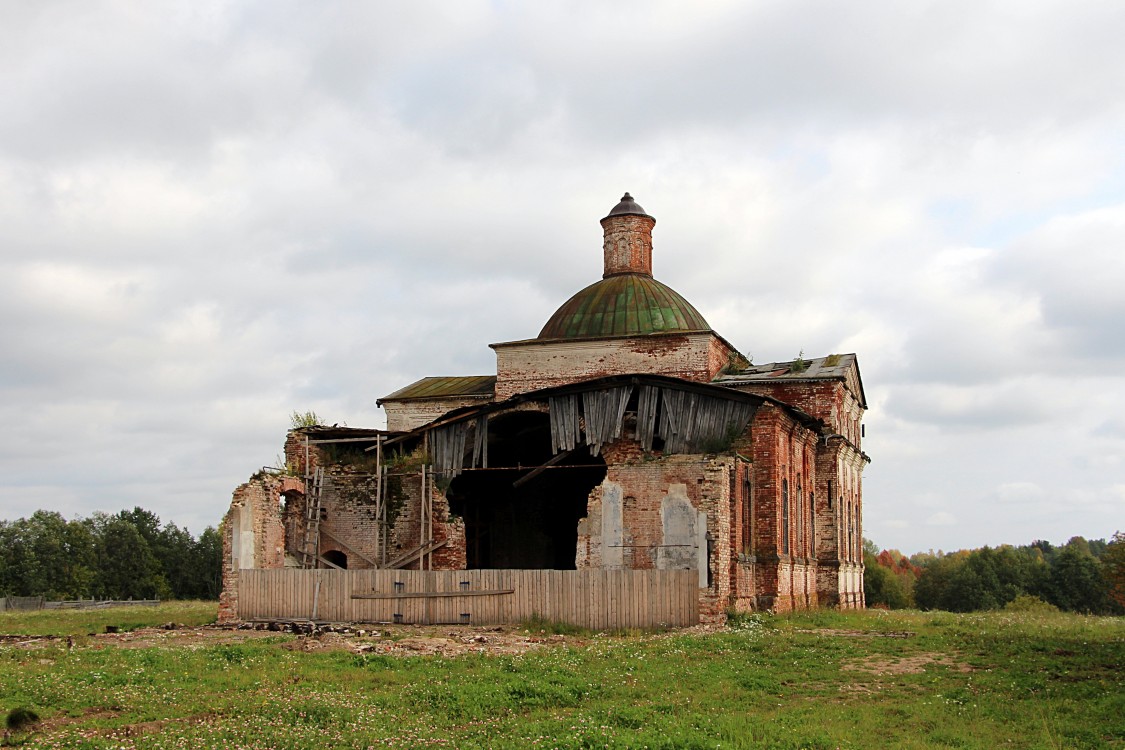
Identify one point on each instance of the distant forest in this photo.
(1080, 576)
(132, 555)
(129, 555)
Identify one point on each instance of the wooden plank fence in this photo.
(595, 599)
(21, 603)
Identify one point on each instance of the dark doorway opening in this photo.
(336, 557)
(515, 518)
(292, 507)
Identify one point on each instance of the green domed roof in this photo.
(624, 305)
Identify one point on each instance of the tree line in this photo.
(1079, 576)
(128, 555)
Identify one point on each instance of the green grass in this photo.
(85, 621)
(538, 625)
(979, 681)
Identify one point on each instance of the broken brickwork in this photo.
(254, 532)
(524, 366)
(627, 435)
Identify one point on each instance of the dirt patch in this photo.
(141, 729)
(394, 640)
(915, 664)
(179, 637)
(139, 638)
(29, 641)
(92, 713)
(125, 731)
(859, 688)
(429, 642)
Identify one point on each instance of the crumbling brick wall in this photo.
(836, 578)
(850, 530)
(406, 532)
(253, 533)
(413, 413)
(350, 521)
(783, 561)
(665, 512)
(524, 366)
(827, 400)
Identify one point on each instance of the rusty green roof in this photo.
(623, 305)
(446, 387)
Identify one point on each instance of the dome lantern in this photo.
(627, 239)
(628, 301)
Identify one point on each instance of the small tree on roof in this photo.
(300, 420)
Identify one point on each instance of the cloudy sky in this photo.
(213, 214)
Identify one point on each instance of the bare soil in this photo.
(394, 640)
(915, 664)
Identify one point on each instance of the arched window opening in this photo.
(235, 539)
(857, 544)
(812, 524)
(337, 558)
(747, 514)
(292, 509)
(850, 512)
(797, 507)
(785, 516)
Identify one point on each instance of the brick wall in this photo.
(828, 400)
(648, 497)
(350, 512)
(406, 532)
(836, 480)
(627, 244)
(253, 533)
(407, 415)
(651, 511)
(523, 366)
(782, 562)
(349, 519)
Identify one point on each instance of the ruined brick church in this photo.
(627, 435)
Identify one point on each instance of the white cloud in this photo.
(941, 519)
(1019, 492)
(211, 215)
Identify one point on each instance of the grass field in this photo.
(819, 680)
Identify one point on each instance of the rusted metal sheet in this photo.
(623, 305)
(444, 387)
(832, 367)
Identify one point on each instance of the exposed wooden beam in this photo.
(329, 563)
(346, 546)
(414, 554)
(433, 594)
(539, 469)
(372, 439)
